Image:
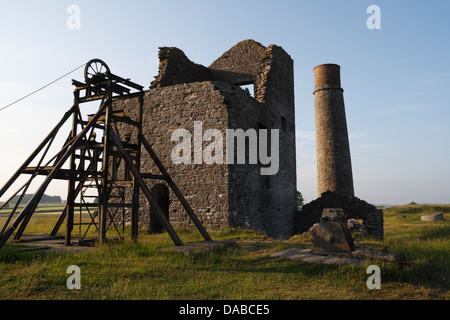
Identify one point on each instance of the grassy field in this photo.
(42, 208)
(44, 219)
(141, 271)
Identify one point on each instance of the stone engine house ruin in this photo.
(238, 154)
(222, 195)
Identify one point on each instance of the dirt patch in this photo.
(358, 257)
(50, 244)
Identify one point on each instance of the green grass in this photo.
(141, 271)
(426, 245)
(44, 218)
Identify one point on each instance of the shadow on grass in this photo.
(237, 260)
(428, 259)
(12, 253)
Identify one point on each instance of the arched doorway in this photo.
(161, 195)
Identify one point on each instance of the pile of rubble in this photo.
(354, 225)
(332, 243)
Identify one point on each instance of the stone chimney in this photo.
(334, 168)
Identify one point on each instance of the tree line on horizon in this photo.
(45, 199)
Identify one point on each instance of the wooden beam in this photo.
(159, 212)
(175, 189)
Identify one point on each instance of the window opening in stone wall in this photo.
(249, 90)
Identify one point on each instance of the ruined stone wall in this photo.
(263, 203)
(204, 186)
(224, 195)
(176, 68)
(279, 98)
(267, 203)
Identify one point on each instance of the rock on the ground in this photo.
(352, 224)
(433, 217)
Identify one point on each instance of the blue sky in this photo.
(396, 80)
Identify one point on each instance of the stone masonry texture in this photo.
(222, 195)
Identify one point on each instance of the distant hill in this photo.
(45, 199)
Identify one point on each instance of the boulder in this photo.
(433, 217)
(353, 225)
(357, 227)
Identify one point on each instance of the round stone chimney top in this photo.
(327, 75)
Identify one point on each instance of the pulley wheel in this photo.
(95, 68)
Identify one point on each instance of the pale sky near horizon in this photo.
(396, 80)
